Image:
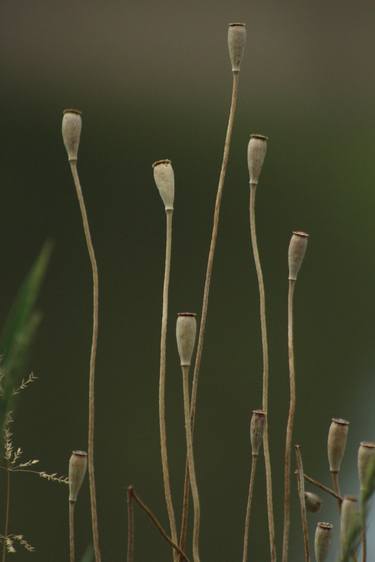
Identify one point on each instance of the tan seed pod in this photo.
(337, 437)
(186, 329)
(77, 472)
(71, 131)
(313, 502)
(164, 179)
(323, 536)
(256, 153)
(296, 253)
(258, 420)
(348, 519)
(236, 44)
(366, 459)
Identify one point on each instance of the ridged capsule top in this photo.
(336, 445)
(256, 153)
(236, 44)
(164, 180)
(186, 330)
(296, 252)
(77, 472)
(71, 132)
(323, 537)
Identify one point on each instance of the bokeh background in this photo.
(153, 80)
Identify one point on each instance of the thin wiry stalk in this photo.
(157, 524)
(301, 494)
(130, 553)
(191, 464)
(364, 542)
(289, 430)
(206, 290)
(265, 392)
(71, 531)
(254, 461)
(94, 344)
(336, 486)
(322, 487)
(162, 379)
(7, 514)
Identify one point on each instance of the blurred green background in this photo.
(153, 81)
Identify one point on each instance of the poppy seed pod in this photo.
(296, 253)
(164, 179)
(236, 44)
(77, 471)
(71, 132)
(348, 520)
(337, 436)
(186, 329)
(258, 420)
(323, 536)
(256, 153)
(366, 459)
(313, 502)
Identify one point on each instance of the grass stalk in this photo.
(265, 391)
(162, 381)
(94, 344)
(72, 505)
(254, 462)
(7, 514)
(130, 552)
(301, 494)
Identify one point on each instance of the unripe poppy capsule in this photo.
(236, 44)
(77, 472)
(323, 536)
(256, 153)
(71, 131)
(337, 437)
(164, 179)
(366, 460)
(296, 253)
(186, 329)
(258, 420)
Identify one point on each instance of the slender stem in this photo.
(72, 505)
(155, 521)
(364, 544)
(7, 514)
(207, 283)
(185, 508)
(301, 493)
(191, 464)
(94, 344)
(254, 460)
(130, 555)
(289, 430)
(162, 379)
(322, 487)
(265, 407)
(336, 487)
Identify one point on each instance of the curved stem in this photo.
(94, 344)
(71, 531)
(265, 392)
(322, 487)
(162, 379)
(254, 460)
(191, 464)
(290, 425)
(7, 514)
(207, 285)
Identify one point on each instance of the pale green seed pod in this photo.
(258, 420)
(323, 536)
(366, 460)
(337, 437)
(77, 472)
(313, 502)
(236, 44)
(71, 132)
(186, 329)
(349, 519)
(164, 179)
(256, 153)
(296, 253)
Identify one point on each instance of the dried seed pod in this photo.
(297, 250)
(164, 179)
(256, 153)
(349, 519)
(337, 437)
(236, 44)
(366, 459)
(313, 502)
(186, 329)
(323, 536)
(71, 132)
(77, 472)
(258, 420)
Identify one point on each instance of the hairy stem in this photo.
(130, 554)
(7, 514)
(207, 285)
(191, 464)
(254, 460)
(94, 344)
(265, 392)
(72, 505)
(290, 424)
(301, 494)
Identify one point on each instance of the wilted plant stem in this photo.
(301, 494)
(254, 461)
(94, 343)
(71, 531)
(263, 326)
(290, 424)
(7, 513)
(322, 487)
(162, 379)
(206, 291)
